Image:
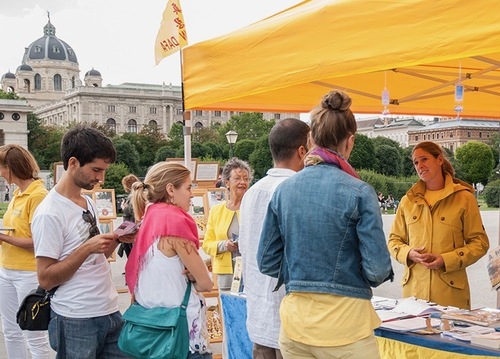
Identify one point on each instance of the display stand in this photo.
(214, 316)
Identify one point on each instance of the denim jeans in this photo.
(86, 338)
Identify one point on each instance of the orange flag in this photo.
(172, 35)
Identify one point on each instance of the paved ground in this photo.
(482, 295)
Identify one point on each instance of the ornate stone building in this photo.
(454, 133)
(14, 122)
(49, 80)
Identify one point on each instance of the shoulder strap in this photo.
(186, 296)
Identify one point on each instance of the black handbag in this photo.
(34, 311)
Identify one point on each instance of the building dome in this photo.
(49, 47)
(93, 73)
(8, 75)
(24, 67)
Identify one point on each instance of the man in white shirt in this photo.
(288, 145)
(72, 255)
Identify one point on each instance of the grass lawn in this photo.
(3, 208)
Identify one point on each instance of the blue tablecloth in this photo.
(240, 347)
(234, 312)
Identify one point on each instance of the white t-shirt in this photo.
(58, 229)
(162, 284)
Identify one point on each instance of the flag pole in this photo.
(186, 123)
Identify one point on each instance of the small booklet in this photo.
(126, 228)
(493, 266)
(237, 284)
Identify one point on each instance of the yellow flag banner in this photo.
(172, 35)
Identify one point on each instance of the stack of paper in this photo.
(409, 307)
(486, 317)
(490, 340)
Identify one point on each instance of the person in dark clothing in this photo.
(128, 210)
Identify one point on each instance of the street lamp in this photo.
(231, 137)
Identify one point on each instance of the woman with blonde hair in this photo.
(17, 260)
(166, 247)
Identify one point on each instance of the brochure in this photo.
(126, 228)
(493, 266)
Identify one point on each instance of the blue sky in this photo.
(117, 37)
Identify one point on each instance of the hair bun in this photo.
(337, 101)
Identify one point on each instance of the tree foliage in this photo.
(165, 152)
(475, 162)
(492, 193)
(113, 177)
(44, 142)
(127, 154)
(363, 153)
(248, 125)
(176, 136)
(8, 95)
(261, 159)
(389, 161)
(244, 148)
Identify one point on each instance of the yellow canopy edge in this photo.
(418, 49)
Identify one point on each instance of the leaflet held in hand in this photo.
(126, 228)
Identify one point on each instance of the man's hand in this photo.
(100, 243)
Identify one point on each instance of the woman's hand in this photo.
(429, 260)
(231, 246)
(433, 261)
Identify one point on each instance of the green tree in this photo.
(165, 152)
(8, 95)
(176, 136)
(248, 125)
(492, 193)
(475, 161)
(261, 159)
(44, 142)
(244, 148)
(378, 141)
(150, 140)
(126, 154)
(215, 150)
(389, 160)
(363, 153)
(113, 177)
(205, 134)
(407, 162)
(198, 150)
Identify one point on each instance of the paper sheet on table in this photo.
(408, 325)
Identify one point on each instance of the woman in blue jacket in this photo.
(323, 237)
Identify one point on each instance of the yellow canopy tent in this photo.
(417, 49)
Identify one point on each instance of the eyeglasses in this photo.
(239, 179)
(90, 218)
